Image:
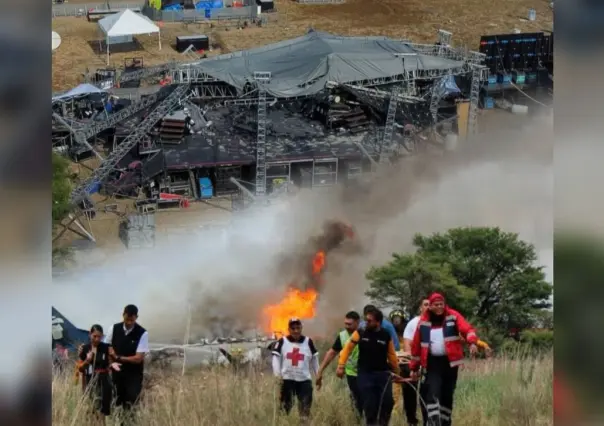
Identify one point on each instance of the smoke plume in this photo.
(218, 281)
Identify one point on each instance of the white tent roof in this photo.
(127, 23)
(81, 90)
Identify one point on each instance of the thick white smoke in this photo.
(504, 179)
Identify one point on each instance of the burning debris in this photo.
(301, 298)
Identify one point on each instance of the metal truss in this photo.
(186, 74)
(448, 52)
(479, 75)
(385, 150)
(254, 101)
(109, 164)
(380, 94)
(435, 100)
(213, 91)
(136, 75)
(444, 37)
(77, 135)
(262, 79)
(98, 126)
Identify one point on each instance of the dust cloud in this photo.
(216, 282)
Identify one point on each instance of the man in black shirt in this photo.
(377, 361)
(351, 324)
(130, 342)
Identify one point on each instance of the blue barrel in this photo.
(208, 13)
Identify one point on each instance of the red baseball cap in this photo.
(434, 297)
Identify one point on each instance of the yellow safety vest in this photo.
(351, 365)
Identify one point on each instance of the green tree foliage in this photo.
(61, 188)
(61, 191)
(485, 273)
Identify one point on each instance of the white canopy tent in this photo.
(126, 24)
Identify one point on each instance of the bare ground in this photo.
(413, 19)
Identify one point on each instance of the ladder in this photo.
(386, 148)
(109, 164)
(262, 78)
(478, 74)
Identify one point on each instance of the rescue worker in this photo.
(438, 349)
(130, 343)
(412, 326)
(351, 324)
(386, 325)
(96, 361)
(376, 362)
(294, 359)
(406, 390)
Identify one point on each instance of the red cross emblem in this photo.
(295, 356)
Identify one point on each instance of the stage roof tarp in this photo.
(127, 23)
(302, 66)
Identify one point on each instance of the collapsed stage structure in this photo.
(310, 111)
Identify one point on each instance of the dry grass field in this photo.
(418, 20)
(498, 392)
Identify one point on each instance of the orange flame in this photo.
(318, 263)
(295, 304)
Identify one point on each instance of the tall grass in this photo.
(502, 391)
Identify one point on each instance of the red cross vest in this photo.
(453, 325)
(295, 360)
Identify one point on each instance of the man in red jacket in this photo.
(438, 348)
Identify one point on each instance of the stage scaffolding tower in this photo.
(479, 74)
(262, 79)
(435, 99)
(386, 149)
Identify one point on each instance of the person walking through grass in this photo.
(96, 361)
(405, 390)
(351, 324)
(437, 348)
(294, 359)
(376, 362)
(130, 342)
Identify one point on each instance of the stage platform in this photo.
(231, 139)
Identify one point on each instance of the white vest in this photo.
(295, 360)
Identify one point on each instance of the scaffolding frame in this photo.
(333, 174)
(480, 74)
(386, 148)
(262, 78)
(277, 178)
(109, 164)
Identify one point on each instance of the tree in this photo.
(61, 206)
(487, 274)
(408, 278)
(61, 188)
